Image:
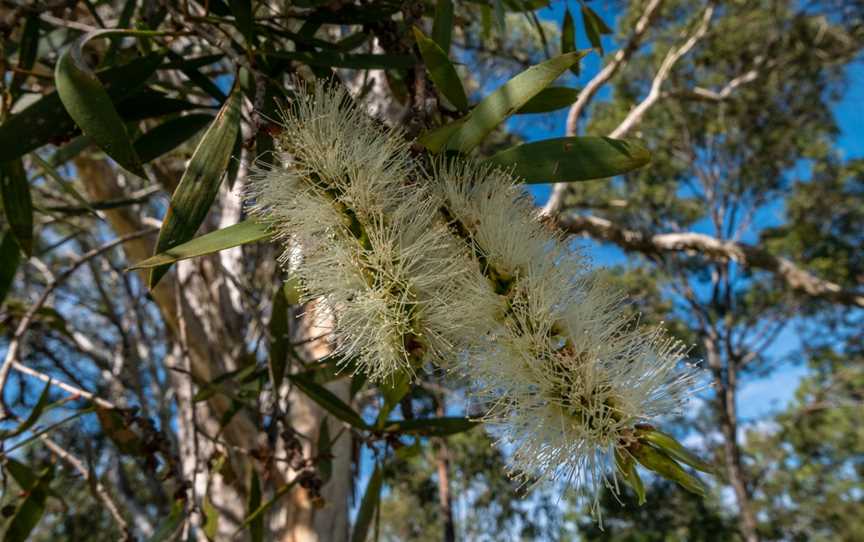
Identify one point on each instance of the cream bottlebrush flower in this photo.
(567, 379)
(346, 200)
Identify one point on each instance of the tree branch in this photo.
(749, 256)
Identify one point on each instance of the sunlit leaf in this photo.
(200, 182)
(568, 159)
(241, 233)
(507, 99)
(550, 99)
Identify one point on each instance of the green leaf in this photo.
(594, 27)
(200, 182)
(550, 99)
(441, 71)
(393, 391)
(172, 523)
(567, 159)
(627, 468)
(368, 506)
(436, 139)
(568, 37)
(442, 25)
(653, 459)
(169, 135)
(37, 411)
(672, 447)
(328, 400)
(500, 18)
(280, 340)
(325, 461)
(431, 427)
(211, 519)
(10, 257)
(89, 104)
(507, 99)
(191, 71)
(241, 233)
(242, 11)
(258, 512)
(256, 526)
(17, 204)
(23, 474)
(27, 50)
(245, 374)
(341, 60)
(46, 120)
(31, 509)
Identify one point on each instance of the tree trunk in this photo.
(727, 383)
(199, 305)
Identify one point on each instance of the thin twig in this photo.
(24, 324)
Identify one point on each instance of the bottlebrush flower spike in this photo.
(568, 380)
(346, 203)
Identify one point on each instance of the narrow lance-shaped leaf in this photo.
(241, 233)
(200, 182)
(89, 104)
(328, 401)
(550, 99)
(31, 509)
(33, 417)
(441, 71)
(17, 204)
(67, 187)
(568, 37)
(256, 514)
(442, 25)
(171, 524)
(627, 469)
(10, 257)
(653, 459)
(431, 427)
(507, 99)
(242, 11)
(279, 338)
(594, 27)
(437, 138)
(27, 50)
(169, 135)
(368, 506)
(256, 526)
(325, 460)
(674, 448)
(46, 119)
(568, 159)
